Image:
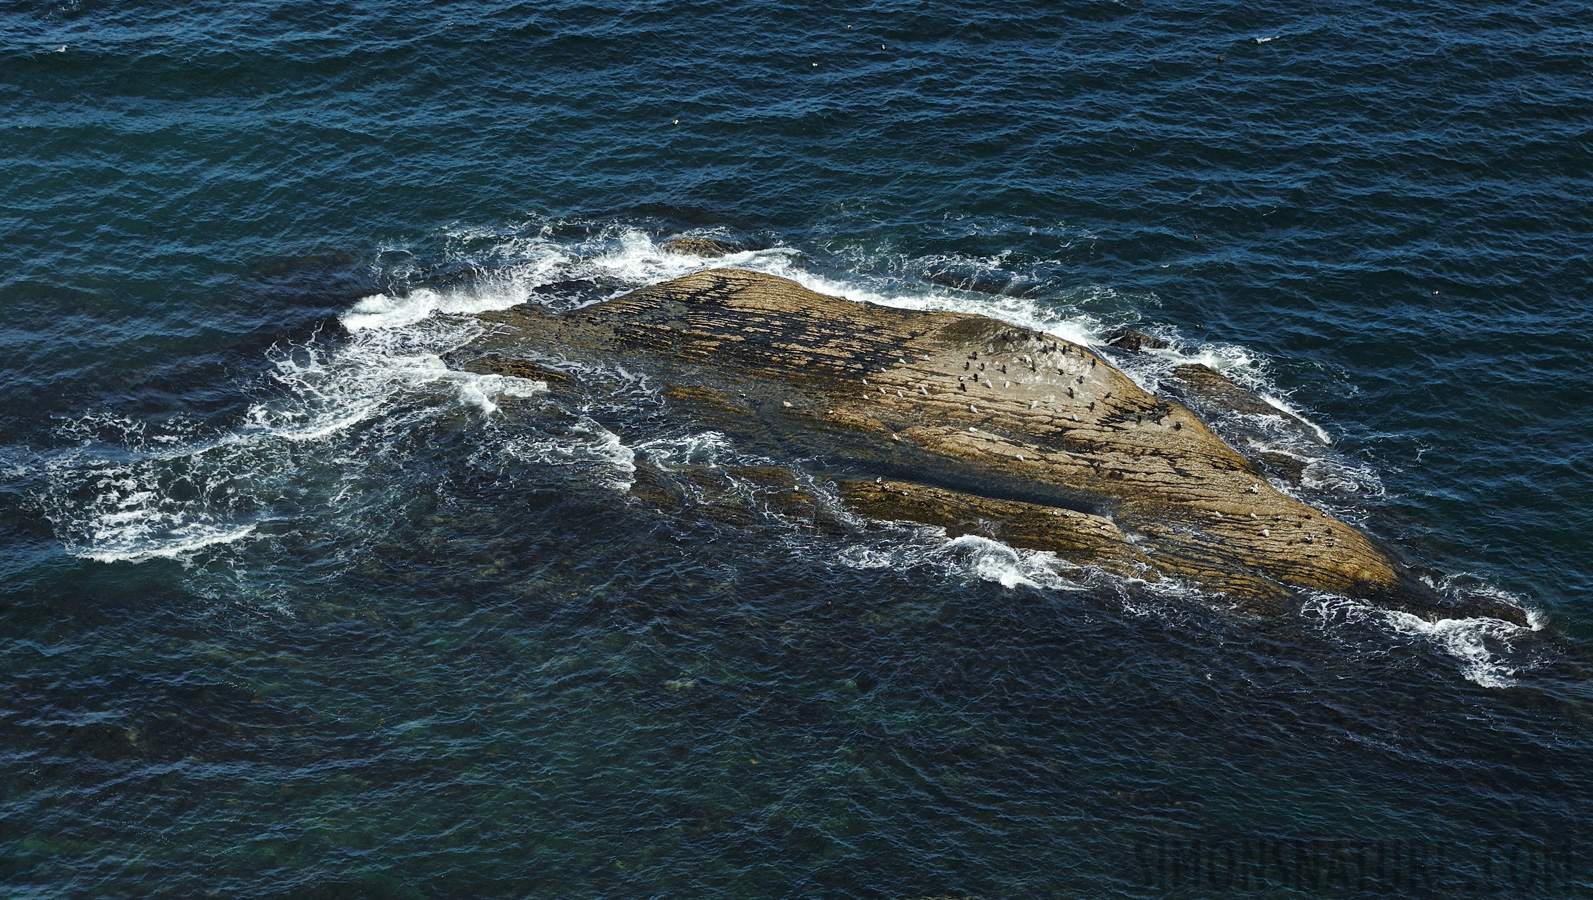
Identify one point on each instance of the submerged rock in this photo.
(1211, 393)
(1282, 442)
(973, 425)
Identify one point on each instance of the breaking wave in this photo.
(1489, 652)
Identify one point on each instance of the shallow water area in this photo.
(289, 606)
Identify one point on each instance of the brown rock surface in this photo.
(709, 248)
(971, 424)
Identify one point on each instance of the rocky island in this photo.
(974, 425)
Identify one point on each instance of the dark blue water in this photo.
(288, 609)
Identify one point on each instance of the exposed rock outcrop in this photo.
(971, 424)
(706, 247)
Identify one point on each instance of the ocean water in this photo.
(290, 609)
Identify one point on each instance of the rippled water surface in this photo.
(288, 608)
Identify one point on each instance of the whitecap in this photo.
(133, 540)
(1474, 642)
(1024, 312)
(992, 560)
(1481, 645)
(966, 556)
(387, 311)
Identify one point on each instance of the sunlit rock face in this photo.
(970, 424)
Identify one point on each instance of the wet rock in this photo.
(531, 370)
(1105, 474)
(1281, 442)
(1135, 342)
(1205, 390)
(706, 247)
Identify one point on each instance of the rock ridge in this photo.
(974, 425)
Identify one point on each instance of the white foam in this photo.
(1250, 372)
(583, 444)
(481, 391)
(705, 449)
(133, 492)
(1235, 363)
(991, 560)
(1467, 640)
(1337, 475)
(343, 400)
(1287, 408)
(125, 506)
(966, 556)
(1020, 311)
(384, 311)
(133, 540)
(637, 259)
(1479, 644)
(1324, 471)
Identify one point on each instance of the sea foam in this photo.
(129, 492)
